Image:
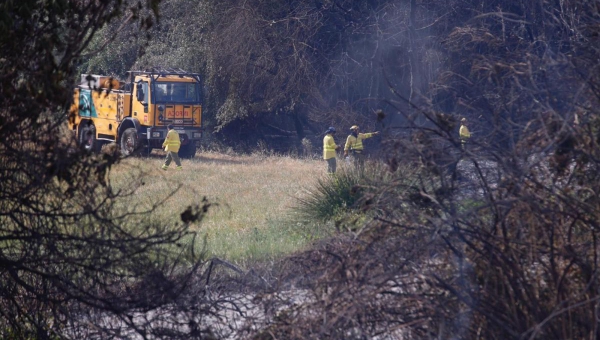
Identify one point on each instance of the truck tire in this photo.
(87, 138)
(130, 143)
(187, 151)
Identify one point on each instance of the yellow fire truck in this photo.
(135, 114)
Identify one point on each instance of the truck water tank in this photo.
(110, 83)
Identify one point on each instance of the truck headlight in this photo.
(156, 134)
(197, 135)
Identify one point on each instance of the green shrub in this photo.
(336, 195)
(331, 196)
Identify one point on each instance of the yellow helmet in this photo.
(354, 127)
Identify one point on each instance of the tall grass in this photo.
(253, 195)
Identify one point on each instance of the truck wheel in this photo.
(87, 138)
(130, 144)
(188, 150)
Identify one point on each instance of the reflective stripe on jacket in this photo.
(355, 142)
(328, 147)
(172, 141)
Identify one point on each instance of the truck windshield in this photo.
(166, 92)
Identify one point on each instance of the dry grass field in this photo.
(253, 218)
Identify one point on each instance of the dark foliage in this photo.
(73, 262)
(498, 241)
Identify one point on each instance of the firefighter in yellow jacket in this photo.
(354, 144)
(329, 149)
(171, 146)
(464, 133)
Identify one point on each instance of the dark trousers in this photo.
(331, 165)
(359, 160)
(172, 156)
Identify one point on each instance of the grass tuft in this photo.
(335, 195)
